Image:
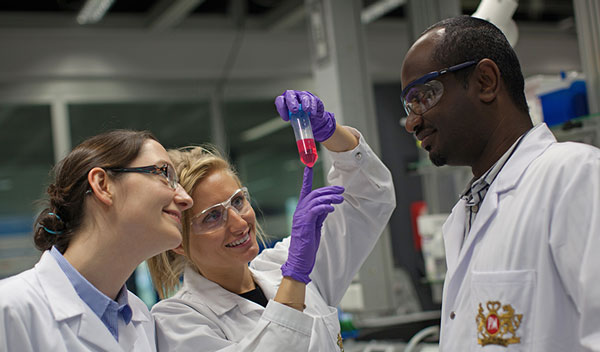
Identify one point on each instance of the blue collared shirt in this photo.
(106, 309)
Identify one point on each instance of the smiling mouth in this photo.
(239, 242)
(174, 215)
(426, 140)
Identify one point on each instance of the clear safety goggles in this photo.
(215, 217)
(423, 93)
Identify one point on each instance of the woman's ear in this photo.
(179, 250)
(100, 185)
(488, 80)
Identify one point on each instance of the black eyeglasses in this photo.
(166, 171)
(423, 93)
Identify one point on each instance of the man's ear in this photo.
(100, 185)
(179, 250)
(488, 80)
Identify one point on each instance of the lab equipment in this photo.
(566, 101)
(434, 255)
(500, 12)
(556, 99)
(304, 137)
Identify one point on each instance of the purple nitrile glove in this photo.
(313, 207)
(322, 122)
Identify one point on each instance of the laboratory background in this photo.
(197, 71)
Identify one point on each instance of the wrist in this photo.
(342, 140)
(297, 306)
(327, 130)
(288, 271)
(291, 293)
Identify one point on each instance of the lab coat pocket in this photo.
(328, 328)
(503, 309)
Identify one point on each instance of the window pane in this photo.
(26, 157)
(174, 124)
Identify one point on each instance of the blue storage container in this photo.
(564, 104)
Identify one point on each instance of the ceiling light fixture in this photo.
(93, 11)
(379, 9)
(500, 12)
(170, 14)
(264, 129)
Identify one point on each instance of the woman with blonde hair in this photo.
(285, 299)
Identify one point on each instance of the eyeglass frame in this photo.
(163, 170)
(226, 204)
(429, 77)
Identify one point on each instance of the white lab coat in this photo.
(40, 311)
(535, 246)
(204, 316)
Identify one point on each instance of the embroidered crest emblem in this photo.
(339, 342)
(498, 326)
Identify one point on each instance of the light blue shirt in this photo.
(106, 309)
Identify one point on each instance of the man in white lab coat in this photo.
(522, 242)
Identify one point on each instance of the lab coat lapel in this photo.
(218, 299)
(69, 309)
(62, 298)
(487, 211)
(458, 247)
(537, 140)
(453, 231)
(92, 330)
(129, 336)
(267, 282)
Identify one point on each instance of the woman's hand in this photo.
(312, 209)
(325, 130)
(322, 122)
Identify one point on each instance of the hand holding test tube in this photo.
(304, 137)
(309, 119)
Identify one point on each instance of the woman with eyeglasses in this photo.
(114, 202)
(283, 299)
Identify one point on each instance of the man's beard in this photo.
(437, 159)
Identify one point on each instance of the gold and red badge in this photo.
(498, 326)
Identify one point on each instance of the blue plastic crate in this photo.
(562, 105)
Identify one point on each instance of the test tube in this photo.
(304, 137)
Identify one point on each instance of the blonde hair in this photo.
(193, 164)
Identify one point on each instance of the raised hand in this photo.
(313, 207)
(322, 122)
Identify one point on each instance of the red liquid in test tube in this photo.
(304, 137)
(308, 151)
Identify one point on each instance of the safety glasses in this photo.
(423, 93)
(166, 170)
(215, 217)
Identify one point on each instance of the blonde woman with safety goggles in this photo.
(284, 299)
